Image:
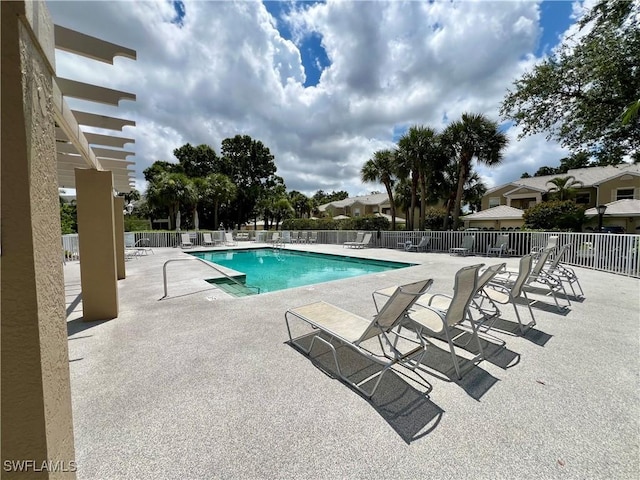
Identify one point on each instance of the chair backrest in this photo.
(359, 237)
(553, 264)
(542, 259)
(207, 238)
(524, 269)
(502, 242)
(488, 275)
(424, 241)
(464, 288)
(367, 239)
(468, 241)
(186, 239)
(228, 236)
(275, 236)
(396, 307)
(129, 239)
(304, 236)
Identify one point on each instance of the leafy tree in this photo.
(474, 136)
(554, 215)
(170, 191)
(577, 95)
(563, 188)
(577, 160)
(321, 197)
(251, 167)
(380, 168)
(302, 205)
(68, 217)
(159, 167)
(434, 217)
(525, 175)
(545, 171)
(197, 162)
(219, 190)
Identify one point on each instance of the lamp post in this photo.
(601, 209)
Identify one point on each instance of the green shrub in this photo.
(434, 218)
(555, 215)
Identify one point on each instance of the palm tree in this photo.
(380, 169)
(564, 187)
(420, 157)
(220, 190)
(474, 136)
(170, 190)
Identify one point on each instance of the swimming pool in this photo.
(278, 269)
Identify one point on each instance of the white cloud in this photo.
(228, 71)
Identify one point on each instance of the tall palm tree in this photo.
(419, 156)
(564, 187)
(474, 136)
(380, 169)
(220, 190)
(170, 190)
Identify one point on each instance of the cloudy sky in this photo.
(322, 84)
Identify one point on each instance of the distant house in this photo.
(600, 185)
(495, 218)
(377, 203)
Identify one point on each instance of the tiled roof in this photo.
(588, 176)
(500, 212)
(619, 208)
(374, 199)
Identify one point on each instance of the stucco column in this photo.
(118, 223)
(36, 398)
(96, 238)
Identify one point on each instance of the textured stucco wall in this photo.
(96, 235)
(36, 398)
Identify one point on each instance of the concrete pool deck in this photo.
(203, 385)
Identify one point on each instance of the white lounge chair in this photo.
(539, 279)
(501, 246)
(509, 293)
(439, 315)
(562, 272)
(313, 237)
(185, 241)
(357, 241)
(422, 245)
(207, 240)
(331, 323)
(228, 239)
(465, 249)
(366, 240)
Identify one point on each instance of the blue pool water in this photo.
(279, 269)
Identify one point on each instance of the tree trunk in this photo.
(423, 201)
(414, 197)
(462, 178)
(215, 213)
(393, 207)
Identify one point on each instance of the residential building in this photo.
(360, 206)
(599, 186)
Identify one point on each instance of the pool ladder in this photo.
(208, 264)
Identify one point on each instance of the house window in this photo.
(583, 198)
(356, 212)
(624, 194)
(494, 201)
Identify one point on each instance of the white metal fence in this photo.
(600, 251)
